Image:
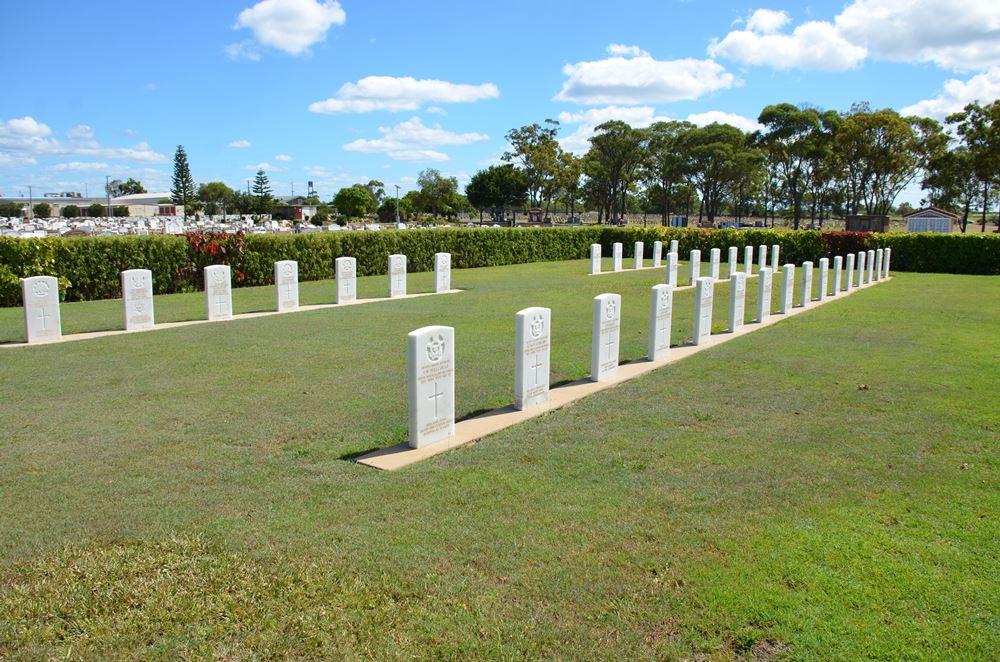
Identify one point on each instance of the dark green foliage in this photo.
(89, 266)
(42, 210)
(70, 211)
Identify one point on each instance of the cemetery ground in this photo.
(825, 488)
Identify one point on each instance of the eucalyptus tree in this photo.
(535, 149)
(616, 153)
(665, 167)
(791, 138)
(978, 127)
(497, 188)
(951, 182)
(715, 155)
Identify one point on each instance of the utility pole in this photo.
(397, 203)
(107, 193)
(31, 203)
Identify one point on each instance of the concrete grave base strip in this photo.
(474, 429)
(244, 316)
(628, 271)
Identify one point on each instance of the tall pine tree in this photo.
(262, 191)
(182, 190)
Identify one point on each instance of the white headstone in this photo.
(532, 339)
(761, 257)
(734, 260)
(824, 277)
(849, 269)
(347, 279)
(703, 293)
(137, 297)
(604, 338)
(878, 264)
(714, 256)
(616, 256)
(787, 287)
(672, 268)
(838, 268)
(218, 292)
(807, 284)
(442, 272)
(41, 308)
(431, 384)
(885, 265)
(695, 264)
(637, 258)
(737, 301)
(766, 277)
(661, 307)
(286, 285)
(657, 254)
(595, 258)
(673, 246)
(870, 261)
(861, 268)
(775, 251)
(748, 260)
(397, 276)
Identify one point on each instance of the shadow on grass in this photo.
(350, 457)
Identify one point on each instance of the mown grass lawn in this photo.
(189, 492)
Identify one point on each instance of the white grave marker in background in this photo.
(734, 258)
(616, 256)
(661, 307)
(870, 261)
(672, 268)
(775, 251)
(673, 246)
(347, 279)
(41, 308)
(218, 292)
(748, 260)
(604, 339)
(595, 258)
(861, 268)
(695, 264)
(761, 257)
(442, 272)
(286, 285)
(657, 254)
(397, 276)
(137, 297)
(838, 268)
(824, 277)
(878, 264)
(764, 294)
(787, 287)
(807, 284)
(532, 340)
(737, 301)
(885, 266)
(638, 255)
(431, 384)
(714, 256)
(849, 269)
(703, 293)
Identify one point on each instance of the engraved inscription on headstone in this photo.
(703, 299)
(661, 308)
(431, 384)
(605, 330)
(137, 299)
(346, 269)
(532, 338)
(218, 292)
(397, 276)
(40, 295)
(442, 272)
(286, 285)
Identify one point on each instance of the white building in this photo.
(930, 219)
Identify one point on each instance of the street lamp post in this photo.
(397, 203)
(107, 193)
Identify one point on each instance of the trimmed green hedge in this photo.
(89, 267)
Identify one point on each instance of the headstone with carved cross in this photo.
(532, 339)
(661, 310)
(703, 301)
(347, 279)
(218, 292)
(137, 299)
(431, 384)
(442, 272)
(607, 317)
(286, 285)
(397, 276)
(41, 308)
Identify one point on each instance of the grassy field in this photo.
(189, 492)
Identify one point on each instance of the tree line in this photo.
(803, 163)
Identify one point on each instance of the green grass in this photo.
(188, 492)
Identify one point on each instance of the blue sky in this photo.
(344, 92)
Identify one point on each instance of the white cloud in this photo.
(954, 96)
(291, 25)
(638, 80)
(623, 50)
(739, 121)
(80, 166)
(240, 144)
(813, 45)
(767, 21)
(23, 140)
(409, 141)
(242, 50)
(400, 93)
(957, 34)
(80, 132)
(578, 142)
(265, 166)
(282, 157)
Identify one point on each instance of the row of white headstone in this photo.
(715, 257)
(431, 349)
(42, 320)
